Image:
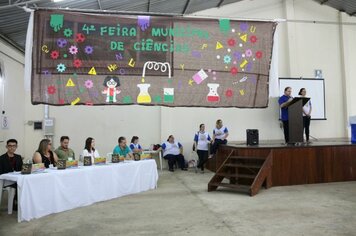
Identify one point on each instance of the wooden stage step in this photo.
(244, 176)
(229, 170)
(244, 188)
(247, 166)
(247, 158)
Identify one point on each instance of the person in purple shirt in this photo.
(284, 101)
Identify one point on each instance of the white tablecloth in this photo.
(60, 190)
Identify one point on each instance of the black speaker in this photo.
(252, 137)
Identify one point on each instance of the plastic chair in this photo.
(109, 157)
(160, 155)
(10, 198)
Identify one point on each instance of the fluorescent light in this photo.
(57, 0)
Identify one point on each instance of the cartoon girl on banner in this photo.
(111, 83)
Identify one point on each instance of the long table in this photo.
(60, 190)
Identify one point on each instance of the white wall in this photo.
(348, 34)
(303, 47)
(106, 124)
(14, 97)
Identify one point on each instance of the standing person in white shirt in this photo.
(220, 133)
(173, 152)
(307, 109)
(201, 144)
(89, 149)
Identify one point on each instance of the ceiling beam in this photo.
(19, 3)
(12, 43)
(109, 11)
(219, 4)
(99, 4)
(148, 5)
(185, 7)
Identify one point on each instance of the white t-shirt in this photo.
(307, 107)
(171, 148)
(94, 154)
(203, 140)
(220, 133)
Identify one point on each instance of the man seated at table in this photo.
(64, 152)
(10, 162)
(122, 149)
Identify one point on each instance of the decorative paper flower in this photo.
(243, 26)
(233, 70)
(253, 39)
(79, 38)
(231, 42)
(88, 83)
(77, 63)
(127, 99)
(229, 93)
(227, 59)
(88, 49)
(248, 52)
(61, 101)
(238, 55)
(51, 89)
(258, 54)
(62, 42)
(68, 32)
(73, 50)
(61, 68)
(54, 54)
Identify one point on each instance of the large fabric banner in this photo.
(92, 59)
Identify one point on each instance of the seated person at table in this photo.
(64, 152)
(173, 152)
(10, 161)
(89, 149)
(135, 146)
(44, 154)
(122, 149)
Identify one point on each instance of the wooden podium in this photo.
(295, 119)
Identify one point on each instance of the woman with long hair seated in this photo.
(44, 154)
(89, 149)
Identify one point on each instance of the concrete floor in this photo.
(182, 206)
